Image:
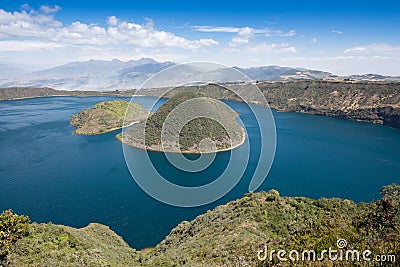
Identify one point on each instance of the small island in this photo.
(107, 116)
(204, 125)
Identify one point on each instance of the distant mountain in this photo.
(276, 73)
(373, 77)
(90, 75)
(103, 75)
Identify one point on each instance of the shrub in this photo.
(12, 228)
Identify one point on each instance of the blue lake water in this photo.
(52, 175)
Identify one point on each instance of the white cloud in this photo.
(42, 26)
(243, 34)
(313, 40)
(337, 32)
(375, 49)
(279, 33)
(267, 32)
(50, 9)
(357, 49)
(347, 65)
(238, 41)
(216, 29)
(272, 48)
(20, 46)
(112, 21)
(24, 24)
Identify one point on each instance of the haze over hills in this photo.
(89, 75)
(106, 75)
(7, 71)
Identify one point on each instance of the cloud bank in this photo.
(39, 28)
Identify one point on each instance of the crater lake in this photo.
(50, 174)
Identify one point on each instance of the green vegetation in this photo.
(229, 235)
(376, 102)
(29, 92)
(209, 118)
(118, 108)
(12, 228)
(58, 245)
(107, 116)
(236, 231)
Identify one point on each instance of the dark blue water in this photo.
(52, 175)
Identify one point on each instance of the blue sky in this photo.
(343, 37)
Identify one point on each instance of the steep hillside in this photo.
(376, 102)
(363, 101)
(231, 235)
(58, 245)
(200, 119)
(107, 116)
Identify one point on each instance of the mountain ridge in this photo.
(115, 74)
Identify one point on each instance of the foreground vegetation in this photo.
(229, 235)
(107, 116)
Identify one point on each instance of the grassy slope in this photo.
(240, 228)
(106, 116)
(229, 235)
(58, 245)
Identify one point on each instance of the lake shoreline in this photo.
(108, 130)
(367, 102)
(119, 137)
(313, 159)
(275, 109)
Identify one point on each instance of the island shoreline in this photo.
(361, 107)
(119, 137)
(108, 130)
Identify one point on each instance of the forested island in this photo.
(209, 120)
(229, 235)
(184, 123)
